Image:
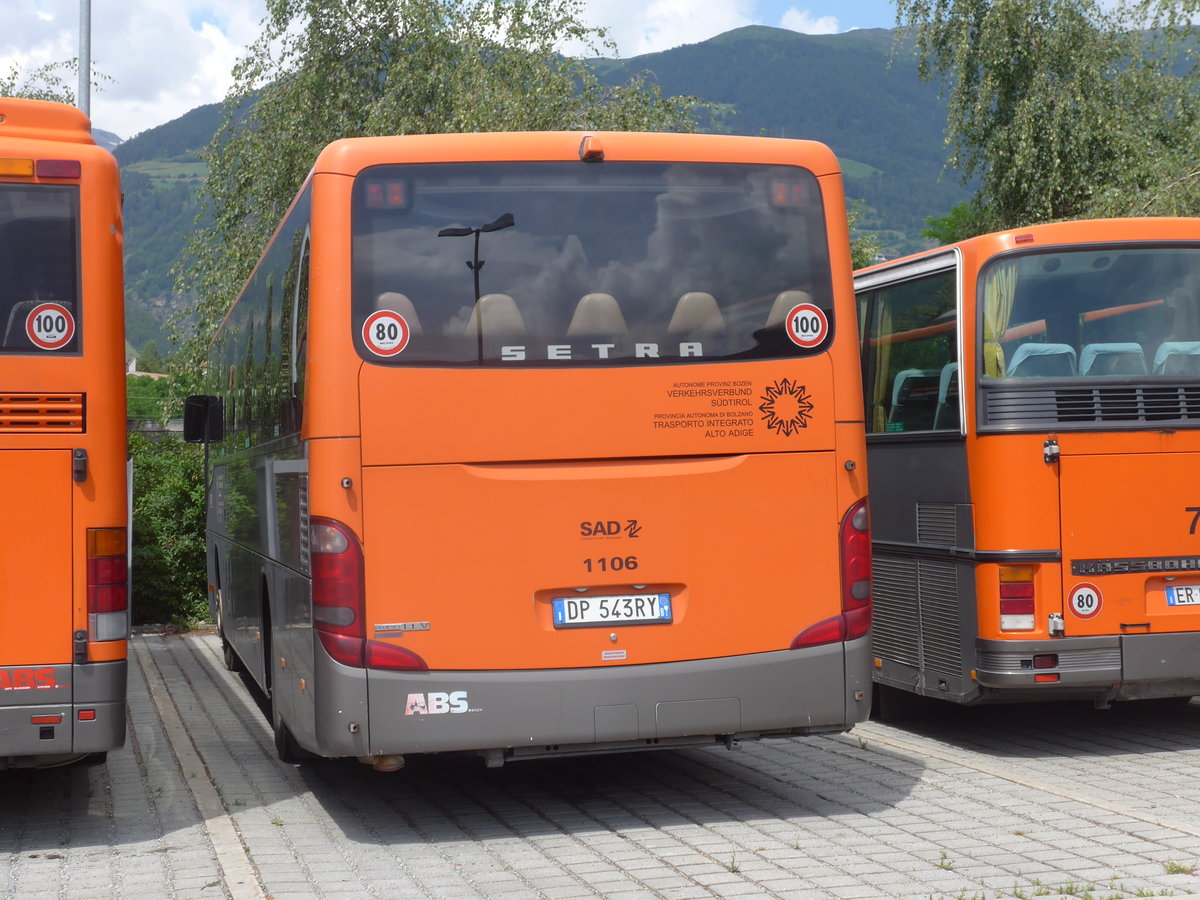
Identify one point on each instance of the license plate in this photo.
(1183, 595)
(621, 609)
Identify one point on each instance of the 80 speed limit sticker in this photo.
(385, 332)
(50, 326)
(1085, 600)
(807, 325)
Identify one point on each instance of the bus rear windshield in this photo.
(1106, 312)
(39, 259)
(567, 263)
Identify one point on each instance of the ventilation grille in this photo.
(41, 413)
(1107, 403)
(936, 523)
(917, 617)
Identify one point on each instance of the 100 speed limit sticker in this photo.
(50, 326)
(1085, 600)
(385, 332)
(807, 325)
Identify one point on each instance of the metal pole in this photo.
(84, 100)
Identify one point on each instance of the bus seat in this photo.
(1112, 359)
(597, 314)
(400, 304)
(784, 304)
(1177, 358)
(946, 415)
(1043, 361)
(914, 399)
(695, 312)
(499, 314)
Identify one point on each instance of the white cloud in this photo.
(648, 26)
(160, 64)
(806, 23)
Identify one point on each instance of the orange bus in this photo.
(64, 612)
(601, 488)
(1034, 403)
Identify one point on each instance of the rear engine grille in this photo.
(42, 413)
(1158, 404)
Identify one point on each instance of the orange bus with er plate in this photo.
(533, 445)
(64, 612)
(1033, 440)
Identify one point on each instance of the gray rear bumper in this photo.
(566, 711)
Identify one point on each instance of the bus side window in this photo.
(300, 333)
(911, 344)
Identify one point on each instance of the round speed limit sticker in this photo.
(50, 326)
(807, 325)
(385, 332)
(1085, 600)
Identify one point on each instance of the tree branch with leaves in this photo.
(1060, 108)
(328, 69)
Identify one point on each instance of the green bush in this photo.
(168, 579)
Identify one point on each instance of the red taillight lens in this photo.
(855, 619)
(1022, 606)
(1016, 591)
(58, 168)
(337, 590)
(856, 570)
(107, 585)
(389, 656)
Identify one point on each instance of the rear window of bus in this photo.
(39, 259)
(566, 263)
(1118, 311)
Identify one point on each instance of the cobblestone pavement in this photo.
(1062, 801)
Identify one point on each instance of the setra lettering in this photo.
(647, 350)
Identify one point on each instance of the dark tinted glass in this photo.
(39, 259)
(567, 263)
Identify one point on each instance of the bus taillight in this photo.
(855, 619)
(1016, 598)
(856, 570)
(337, 590)
(107, 585)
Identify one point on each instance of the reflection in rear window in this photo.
(566, 263)
(39, 259)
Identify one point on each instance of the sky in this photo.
(166, 57)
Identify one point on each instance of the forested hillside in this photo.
(848, 90)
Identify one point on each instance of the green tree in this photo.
(150, 359)
(864, 245)
(1061, 108)
(42, 83)
(168, 530)
(47, 82)
(327, 69)
(149, 399)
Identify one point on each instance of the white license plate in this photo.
(1183, 595)
(621, 609)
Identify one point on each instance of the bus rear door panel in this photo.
(1131, 564)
